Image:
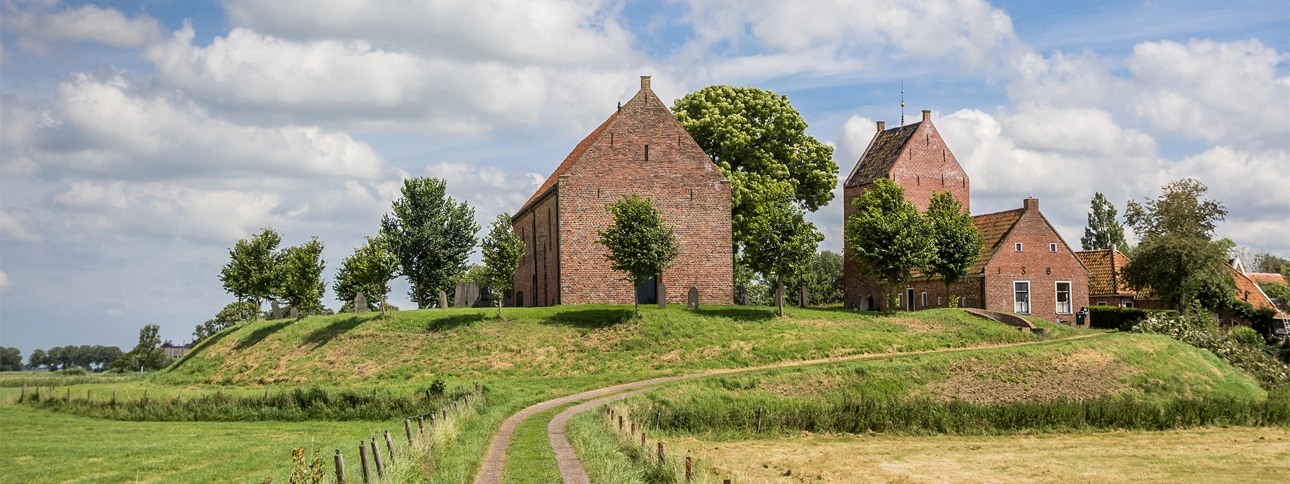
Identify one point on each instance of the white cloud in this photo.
(18, 225)
(42, 22)
(4, 282)
(1219, 91)
(1064, 80)
(161, 209)
(103, 128)
(853, 138)
(489, 189)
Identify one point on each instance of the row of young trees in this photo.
(89, 357)
(894, 241)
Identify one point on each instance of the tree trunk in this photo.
(779, 295)
(499, 309)
(947, 293)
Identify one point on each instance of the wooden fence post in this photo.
(389, 444)
(145, 394)
(759, 411)
(421, 427)
(643, 441)
(376, 457)
(23, 396)
(69, 394)
(620, 423)
(407, 427)
(478, 389)
(687, 469)
(362, 458)
(114, 397)
(87, 395)
(340, 468)
(633, 431)
(660, 452)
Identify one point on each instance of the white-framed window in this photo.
(900, 301)
(1021, 297)
(1063, 297)
(924, 301)
(1101, 303)
(1128, 304)
(1018, 245)
(1052, 247)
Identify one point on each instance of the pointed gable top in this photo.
(881, 155)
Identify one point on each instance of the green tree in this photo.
(252, 272)
(639, 245)
(1276, 290)
(822, 278)
(145, 356)
(502, 250)
(1176, 260)
(431, 235)
(233, 313)
(368, 270)
(1267, 262)
(759, 142)
(37, 359)
(780, 241)
(10, 359)
(889, 236)
(957, 241)
(1103, 231)
(300, 276)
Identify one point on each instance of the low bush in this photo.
(1199, 329)
(1123, 319)
(74, 371)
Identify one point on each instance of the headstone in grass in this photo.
(295, 313)
(360, 303)
(277, 311)
(693, 298)
(459, 295)
(472, 294)
(662, 296)
(443, 299)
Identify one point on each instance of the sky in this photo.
(139, 140)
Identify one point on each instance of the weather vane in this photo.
(902, 101)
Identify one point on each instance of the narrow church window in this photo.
(611, 137)
(646, 152)
(1018, 246)
(928, 140)
(918, 180)
(1052, 247)
(691, 194)
(597, 193)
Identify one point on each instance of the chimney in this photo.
(1031, 204)
(645, 83)
(881, 125)
(927, 115)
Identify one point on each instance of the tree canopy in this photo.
(300, 279)
(431, 235)
(502, 250)
(369, 271)
(759, 143)
(10, 359)
(780, 241)
(1179, 211)
(889, 236)
(1176, 259)
(639, 245)
(956, 239)
(1103, 230)
(145, 356)
(252, 271)
(232, 313)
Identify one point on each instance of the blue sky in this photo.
(139, 140)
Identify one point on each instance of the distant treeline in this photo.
(89, 357)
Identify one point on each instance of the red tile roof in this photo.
(993, 228)
(1266, 277)
(1247, 290)
(881, 155)
(1103, 270)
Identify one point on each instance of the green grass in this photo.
(597, 343)
(530, 458)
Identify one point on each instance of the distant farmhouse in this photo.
(641, 149)
(1024, 267)
(1105, 286)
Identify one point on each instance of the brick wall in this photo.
(1036, 264)
(537, 277)
(682, 182)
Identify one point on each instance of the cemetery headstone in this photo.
(277, 311)
(459, 295)
(360, 303)
(295, 313)
(472, 294)
(662, 296)
(693, 298)
(443, 299)
(801, 297)
(741, 296)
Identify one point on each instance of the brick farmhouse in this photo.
(641, 149)
(1024, 267)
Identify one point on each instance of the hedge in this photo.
(1123, 319)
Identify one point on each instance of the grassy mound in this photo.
(593, 342)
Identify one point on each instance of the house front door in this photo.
(909, 299)
(647, 292)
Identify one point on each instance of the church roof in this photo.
(881, 155)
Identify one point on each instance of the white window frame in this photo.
(1016, 308)
(1052, 247)
(1057, 293)
(924, 296)
(1017, 246)
(1128, 304)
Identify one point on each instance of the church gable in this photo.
(916, 158)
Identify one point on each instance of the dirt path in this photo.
(571, 468)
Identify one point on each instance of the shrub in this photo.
(1198, 329)
(1123, 319)
(73, 371)
(1246, 336)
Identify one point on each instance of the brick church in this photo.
(1024, 267)
(641, 149)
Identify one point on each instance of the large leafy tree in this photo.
(10, 359)
(252, 271)
(431, 235)
(300, 276)
(1103, 230)
(759, 142)
(956, 239)
(1177, 260)
(145, 356)
(368, 270)
(889, 236)
(823, 279)
(502, 250)
(780, 241)
(639, 245)
(37, 359)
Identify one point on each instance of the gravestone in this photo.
(692, 299)
(472, 295)
(662, 296)
(443, 300)
(277, 311)
(741, 296)
(295, 313)
(360, 303)
(801, 297)
(466, 295)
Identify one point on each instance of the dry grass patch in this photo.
(1084, 374)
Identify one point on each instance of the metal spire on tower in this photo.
(902, 101)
